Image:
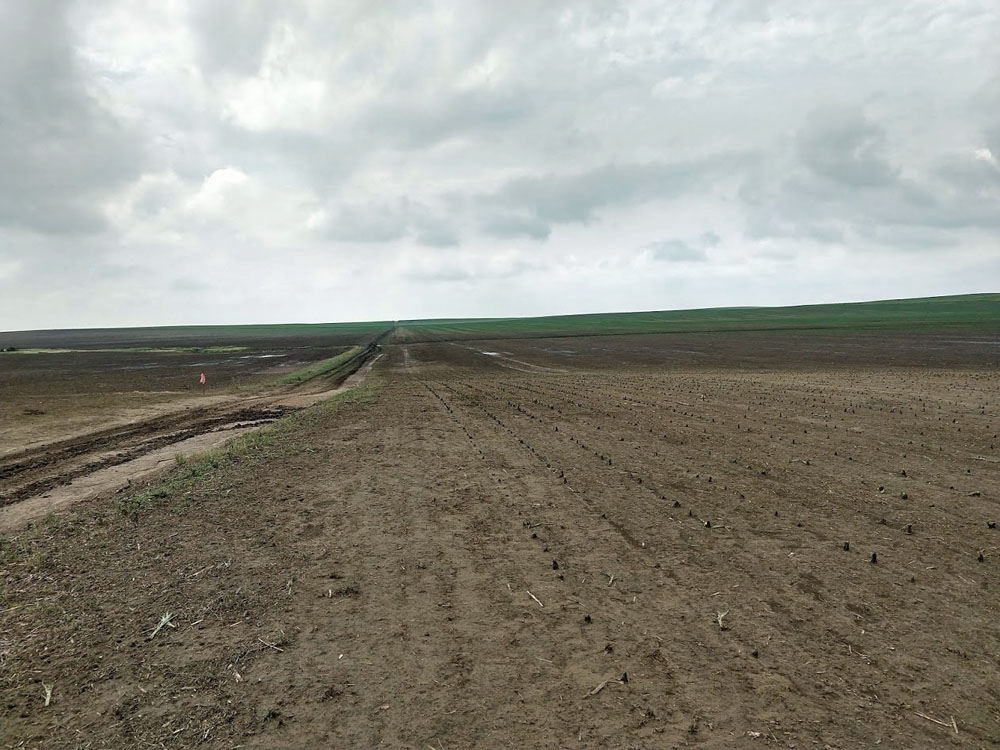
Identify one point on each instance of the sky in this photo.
(167, 162)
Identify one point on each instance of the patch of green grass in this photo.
(323, 367)
(197, 338)
(931, 314)
(184, 477)
(195, 469)
(138, 350)
(13, 551)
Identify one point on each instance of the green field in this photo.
(189, 338)
(134, 350)
(963, 313)
(975, 312)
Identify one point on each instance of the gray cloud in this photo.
(436, 232)
(186, 285)
(233, 37)
(412, 121)
(969, 172)
(532, 205)
(675, 250)
(385, 221)
(845, 147)
(465, 267)
(508, 224)
(60, 151)
(377, 148)
(839, 185)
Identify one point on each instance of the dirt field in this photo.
(635, 542)
(50, 397)
(78, 420)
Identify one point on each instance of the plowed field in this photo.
(640, 542)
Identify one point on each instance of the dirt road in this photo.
(53, 475)
(461, 554)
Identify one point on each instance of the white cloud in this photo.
(684, 87)
(219, 192)
(491, 158)
(9, 268)
(984, 154)
(422, 266)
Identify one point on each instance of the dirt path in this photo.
(113, 478)
(51, 477)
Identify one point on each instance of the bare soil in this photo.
(128, 425)
(53, 397)
(646, 543)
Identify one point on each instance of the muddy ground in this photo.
(660, 542)
(48, 397)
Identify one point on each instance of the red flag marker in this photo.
(202, 380)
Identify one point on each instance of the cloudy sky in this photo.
(255, 161)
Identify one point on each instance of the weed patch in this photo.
(249, 447)
(323, 367)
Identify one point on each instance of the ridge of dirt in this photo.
(118, 476)
(34, 471)
(113, 447)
